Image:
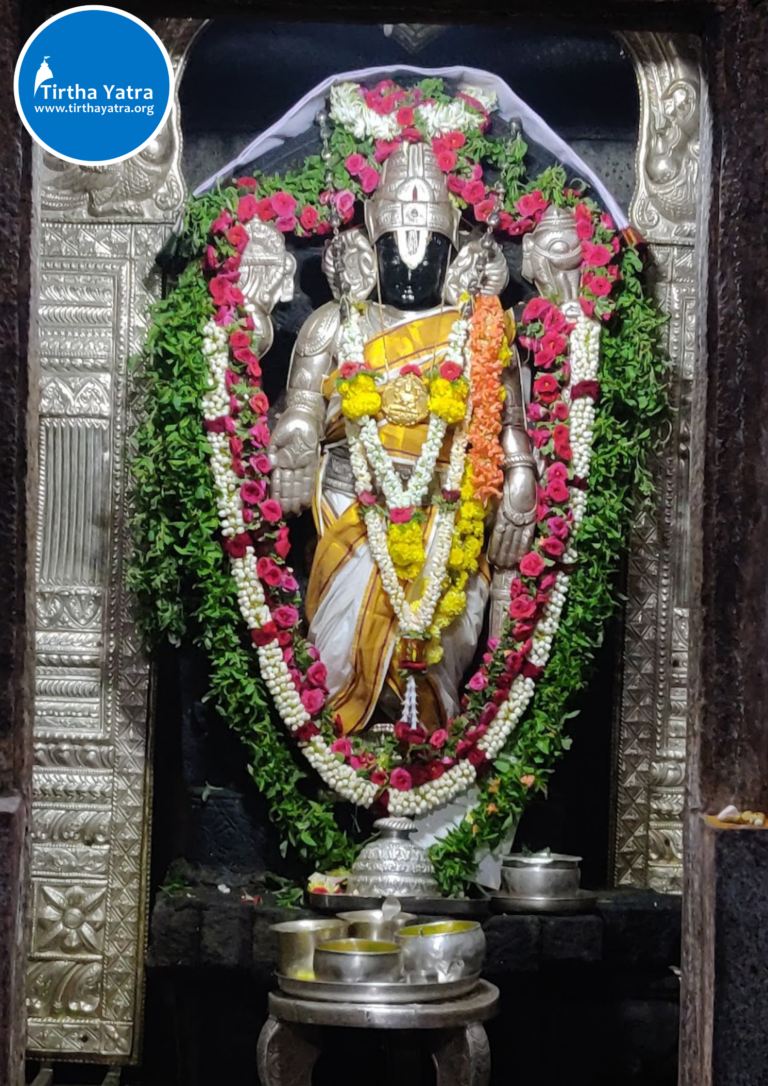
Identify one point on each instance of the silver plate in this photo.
(583, 901)
(384, 992)
(422, 906)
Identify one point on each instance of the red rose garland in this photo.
(254, 535)
(406, 110)
(412, 771)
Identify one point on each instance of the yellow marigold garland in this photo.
(359, 396)
(466, 545)
(448, 399)
(405, 543)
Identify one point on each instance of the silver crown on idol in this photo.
(412, 203)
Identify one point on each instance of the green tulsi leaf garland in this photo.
(181, 577)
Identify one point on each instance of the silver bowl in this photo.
(370, 923)
(442, 950)
(543, 875)
(297, 941)
(357, 960)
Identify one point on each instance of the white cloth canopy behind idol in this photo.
(301, 117)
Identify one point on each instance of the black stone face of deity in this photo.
(412, 288)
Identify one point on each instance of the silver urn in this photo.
(392, 865)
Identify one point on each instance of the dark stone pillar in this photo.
(726, 905)
(16, 488)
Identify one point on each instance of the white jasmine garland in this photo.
(348, 109)
(395, 494)
(420, 800)
(584, 360)
(369, 459)
(351, 339)
(585, 363)
(488, 99)
(413, 619)
(363, 436)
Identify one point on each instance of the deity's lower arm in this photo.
(514, 435)
(516, 515)
(304, 390)
(312, 361)
(295, 446)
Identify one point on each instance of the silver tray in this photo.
(395, 991)
(583, 901)
(422, 906)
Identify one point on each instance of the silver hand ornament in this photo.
(295, 453)
(515, 523)
(552, 256)
(295, 446)
(465, 269)
(266, 278)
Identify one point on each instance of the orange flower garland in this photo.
(483, 474)
(486, 456)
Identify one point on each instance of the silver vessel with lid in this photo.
(392, 865)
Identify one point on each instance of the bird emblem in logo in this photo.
(43, 73)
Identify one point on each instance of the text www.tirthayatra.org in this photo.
(86, 107)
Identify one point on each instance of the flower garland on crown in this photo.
(369, 124)
(413, 771)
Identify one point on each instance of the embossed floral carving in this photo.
(71, 918)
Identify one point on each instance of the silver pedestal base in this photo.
(290, 1041)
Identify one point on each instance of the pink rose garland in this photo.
(544, 331)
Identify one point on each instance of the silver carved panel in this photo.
(652, 727)
(99, 233)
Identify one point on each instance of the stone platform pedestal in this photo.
(587, 1000)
